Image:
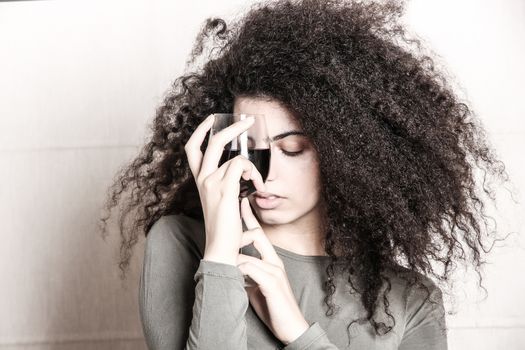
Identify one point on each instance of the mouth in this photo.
(266, 195)
(268, 202)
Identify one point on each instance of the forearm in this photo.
(219, 308)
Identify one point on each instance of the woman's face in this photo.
(295, 178)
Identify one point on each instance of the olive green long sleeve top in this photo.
(189, 303)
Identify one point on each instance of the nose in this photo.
(272, 172)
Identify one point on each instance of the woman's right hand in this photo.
(219, 188)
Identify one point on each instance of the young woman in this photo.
(372, 170)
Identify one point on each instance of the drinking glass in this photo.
(252, 143)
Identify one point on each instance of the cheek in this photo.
(302, 177)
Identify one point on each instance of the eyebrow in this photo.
(283, 135)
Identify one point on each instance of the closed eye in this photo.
(292, 154)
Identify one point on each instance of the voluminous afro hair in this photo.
(397, 147)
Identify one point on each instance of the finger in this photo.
(257, 236)
(259, 182)
(258, 275)
(218, 141)
(242, 167)
(193, 146)
(247, 214)
(263, 246)
(269, 268)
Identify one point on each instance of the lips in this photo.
(267, 200)
(266, 195)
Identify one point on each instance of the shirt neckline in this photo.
(291, 255)
(295, 256)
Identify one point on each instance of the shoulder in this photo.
(177, 230)
(415, 287)
(421, 298)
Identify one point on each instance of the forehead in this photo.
(278, 119)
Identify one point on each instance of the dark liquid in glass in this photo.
(259, 157)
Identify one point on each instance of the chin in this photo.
(274, 217)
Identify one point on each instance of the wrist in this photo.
(296, 332)
(220, 259)
(220, 254)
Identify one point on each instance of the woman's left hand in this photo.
(271, 296)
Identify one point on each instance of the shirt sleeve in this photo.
(314, 338)
(186, 302)
(425, 326)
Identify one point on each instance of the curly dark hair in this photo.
(398, 148)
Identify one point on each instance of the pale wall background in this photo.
(79, 82)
